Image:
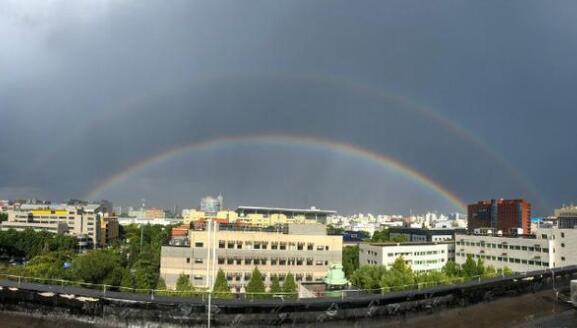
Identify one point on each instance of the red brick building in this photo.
(500, 214)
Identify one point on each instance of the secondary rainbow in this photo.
(281, 139)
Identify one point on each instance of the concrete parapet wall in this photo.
(115, 309)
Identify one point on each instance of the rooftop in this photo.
(412, 243)
(280, 209)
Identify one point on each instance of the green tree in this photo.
(183, 283)
(350, 260)
(505, 271)
(452, 269)
(333, 231)
(127, 279)
(431, 279)
(368, 276)
(480, 267)
(255, 287)
(94, 266)
(221, 288)
(114, 278)
(400, 239)
(275, 287)
(160, 284)
(145, 274)
(399, 277)
(3, 216)
(489, 272)
(49, 266)
(469, 267)
(381, 236)
(290, 286)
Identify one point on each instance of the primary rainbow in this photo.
(280, 139)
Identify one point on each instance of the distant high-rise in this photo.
(500, 214)
(210, 205)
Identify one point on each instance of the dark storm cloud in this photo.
(89, 88)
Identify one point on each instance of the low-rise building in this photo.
(520, 253)
(421, 256)
(271, 216)
(87, 221)
(425, 234)
(304, 250)
(193, 215)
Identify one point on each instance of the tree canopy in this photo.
(255, 287)
(221, 288)
(290, 286)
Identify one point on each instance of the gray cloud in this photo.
(88, 89)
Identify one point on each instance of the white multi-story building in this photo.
(519, 253)
(422, 257)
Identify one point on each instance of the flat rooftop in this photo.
(412, 243)
(284, 210)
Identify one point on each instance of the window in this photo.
(562, 244)
(221, 244)
(562, 258)
(188, 260)
(230, 244)
(198, 244)
(196, 260)
(562, 235)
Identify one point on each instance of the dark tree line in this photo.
(30, 243)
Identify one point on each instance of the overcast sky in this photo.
(478, 96)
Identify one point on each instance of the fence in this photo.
(202, 294)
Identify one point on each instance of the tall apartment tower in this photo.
(500, 214)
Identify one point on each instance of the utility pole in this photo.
(141, 237)
(210, 284)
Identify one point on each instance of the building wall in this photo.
(501, 214)
(109, 230)
(239, 252)
(519, 254)
(424, 234)
(420, 256)
(192, 215)
(564, 243)
(69, 220)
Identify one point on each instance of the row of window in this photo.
(535, 248)
(506, 259)
(265, 261)
(246, 276)
(423, 262)
(300, 246)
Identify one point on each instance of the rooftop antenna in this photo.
(143, 203)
